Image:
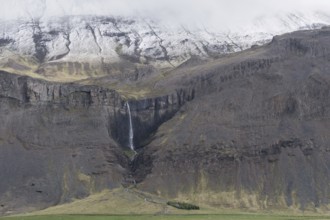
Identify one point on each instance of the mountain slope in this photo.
(255, 134)
(245, 130)
(77, 47)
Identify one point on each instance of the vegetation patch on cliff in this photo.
(182, 205)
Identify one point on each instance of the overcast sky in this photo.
(185, 11)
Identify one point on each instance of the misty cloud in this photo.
(215, 13)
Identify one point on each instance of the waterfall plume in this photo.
(131, 133)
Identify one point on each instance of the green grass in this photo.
(169, 217)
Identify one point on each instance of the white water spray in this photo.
(131, 134)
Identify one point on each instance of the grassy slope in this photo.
(120, 204)
(119, 201)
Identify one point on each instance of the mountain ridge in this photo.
(78, 47)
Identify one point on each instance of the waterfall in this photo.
(131, 134)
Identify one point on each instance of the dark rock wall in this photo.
(64, 141)
(55, 143)
(256, 133)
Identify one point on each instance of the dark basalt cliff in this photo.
(248, 130)
(256, 133)
(64, 141)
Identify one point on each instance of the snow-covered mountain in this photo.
(90, 44)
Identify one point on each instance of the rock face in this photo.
(256, 133)
(63, 141)
(248, 130)
(60, 137)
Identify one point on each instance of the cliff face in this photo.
(249, 130)
(64, 141)
(55, 142)
(256, 134)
